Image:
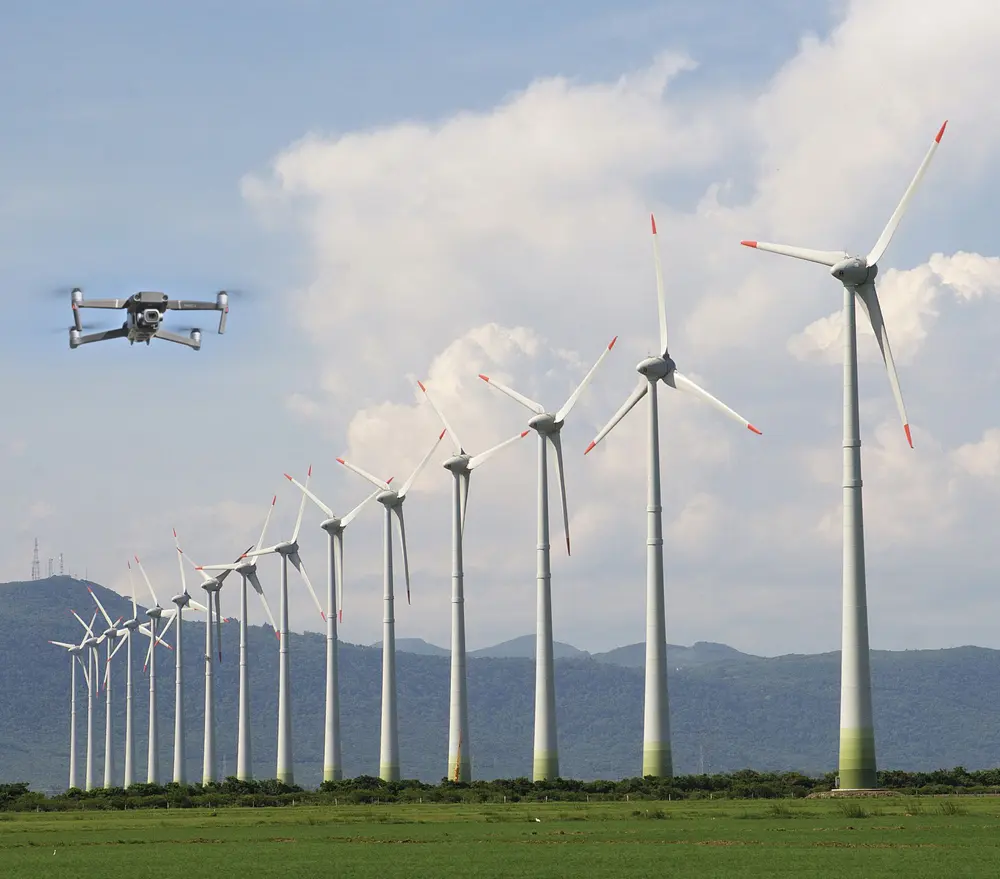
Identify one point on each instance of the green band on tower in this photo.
(857, 759)
(388, 772)
(546, 766)
(657, 760)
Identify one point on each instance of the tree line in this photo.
(369, 790)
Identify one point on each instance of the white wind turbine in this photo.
(182, 600)
(334, 526)
(247, 569)
(656, 754)
(289, 552)
(110, 636)
(74, 651)
(857, 762)
(91, 643)
(461, 466)
(392, 501)
(155, 614)
(548, 426)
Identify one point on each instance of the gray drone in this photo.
(144, 314)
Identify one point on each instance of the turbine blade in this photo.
(296, 560)
(398, 510)
(255, 582)
(149, 585)
(661, 304)
(384, 486)
(267, 519)
(561, 478)
(218, 622)
(571, 402)
(869, 302)
(198, 606)
(904, 202)
(104, 613)
(423, 463)
(351, 516)
(640, 391)
(63, 644)
(267, 550)
(339, 537)
(149, 653)
(232, 566)
(180, 561)
(482, 457)
(118, 646)
(302, 507)
(527, 402)
(444, 421)
(90, 632)
(823, 257)
(131, 583)
(683, 383)
(305, 491)
(464, 485)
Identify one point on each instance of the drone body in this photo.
(144, 314)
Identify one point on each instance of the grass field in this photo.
(926, 837)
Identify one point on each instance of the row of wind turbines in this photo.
(857, 762)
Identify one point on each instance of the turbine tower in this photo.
(461, 465)
(656, 753)
(110, 636)
(91, 643)
(334, 526)
(289, 552)
(155, 614)
(247, 569)
(392, 501)
(74, 651)
(548, 426)
(857, 764)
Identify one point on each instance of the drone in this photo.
(145, 312)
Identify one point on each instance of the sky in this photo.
(435, 190)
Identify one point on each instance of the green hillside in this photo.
(932, 707)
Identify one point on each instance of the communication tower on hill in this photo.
(36, 566)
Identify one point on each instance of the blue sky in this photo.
(161, 146)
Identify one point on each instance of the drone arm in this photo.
(101, 303)
(191, 305)
(180, 340)
(119, 333)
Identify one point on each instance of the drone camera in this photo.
(151, 315)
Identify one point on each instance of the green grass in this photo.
(892, 836)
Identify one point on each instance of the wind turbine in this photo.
(110, 637)
(857, 274)
(461, 466)
(656, 754)
(182, 600)
(334, 527)
(289, 552)
(92, 644)
(548, 426)
(392, 501)
(247, 569)
(155, 614)
(74, 651)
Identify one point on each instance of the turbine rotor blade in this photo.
(131, 583)
(661, 304)
(218, 622)
(904, 202)
(571, 402)
(351, 516)
(339, 537)
(527, 402)
(180, 561)
(868, 299)
(302, 507)
(296, 560)
(482, 457)
(307, 493)
(383, 486)
(398, 510)
(683, 383)
(118, 646)
(444, 421)
(149, 585)
(267, 519)
(640, 391)
(104, 613)
(423, 463)
(255, 582)
(556, 441)
(463, 490)
(823, 257)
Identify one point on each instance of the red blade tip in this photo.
(341, 461)
(590, 447)
(754, 429)
(273, 500)
(525, 433)
(909, 438)
(289, 478)
(310, 471)
(175, 531)
(652, 221)
(441, 435)
(749, 243)
(612, 344)
(421, 386)
(485, 378)
(940, 134)
(389, 480)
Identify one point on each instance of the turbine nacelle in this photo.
(154, 613)
(546, 423)
(333, 525)
(287, 547)
(212, 585)
(854, 271)
(656, 368)
(131, 625)
(389, 499)
(182, 600)
(458, 464)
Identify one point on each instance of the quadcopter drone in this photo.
(145, 312)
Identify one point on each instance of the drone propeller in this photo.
(186, 329)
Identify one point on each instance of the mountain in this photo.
(418, 646)
(524, 648)
(699, 653)
(933, 708)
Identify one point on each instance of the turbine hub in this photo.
(182, 600)
(332, 525)
(388, 499)
(154, 612)
(854, 271)
(655, 368)
(545, 423)
(131, 625)
(287, 547)
(212, 585)
(457, 464)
